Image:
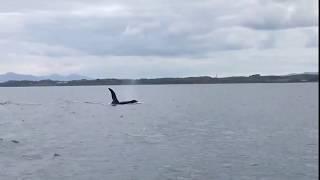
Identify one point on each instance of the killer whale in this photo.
(115, 100)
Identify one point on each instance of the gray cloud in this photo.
(44, 34)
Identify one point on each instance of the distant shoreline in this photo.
(296, 78)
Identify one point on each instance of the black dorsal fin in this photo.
(114, 97)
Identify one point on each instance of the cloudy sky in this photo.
(158, 38)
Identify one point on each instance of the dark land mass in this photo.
(295, 78)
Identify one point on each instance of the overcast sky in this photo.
(158, 38)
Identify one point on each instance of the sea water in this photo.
(178, 132)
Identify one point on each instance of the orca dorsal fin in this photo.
(114, 97)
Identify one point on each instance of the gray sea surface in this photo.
(178, 132)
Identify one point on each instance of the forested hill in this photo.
(294, 78)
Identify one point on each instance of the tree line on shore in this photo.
(256, 78)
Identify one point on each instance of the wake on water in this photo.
(99, 103)
(7, 103)
(4, 103)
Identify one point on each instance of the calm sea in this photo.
(178, 132)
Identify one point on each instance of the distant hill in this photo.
(256, 78)
(10, 76)
(305, 73)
